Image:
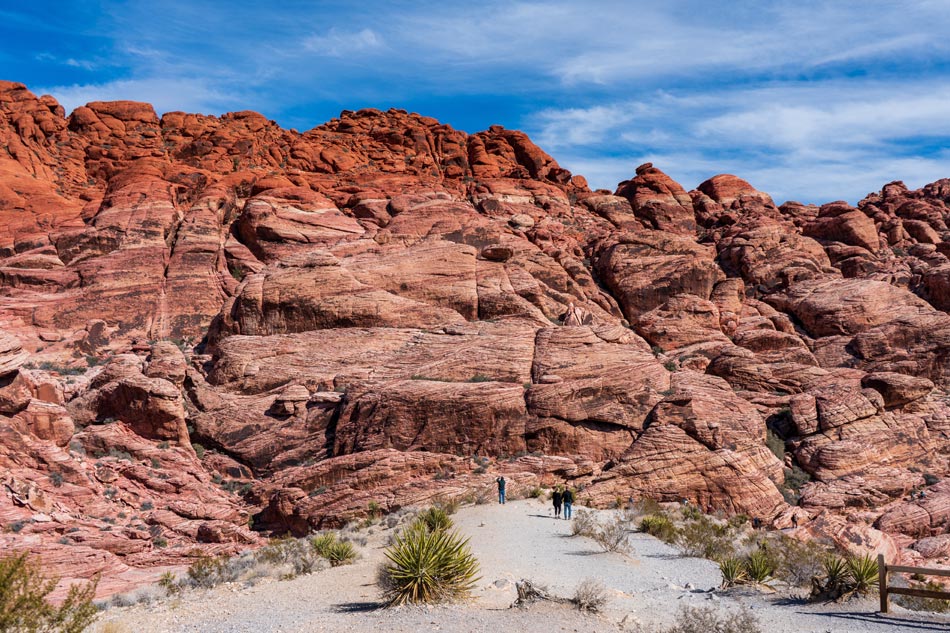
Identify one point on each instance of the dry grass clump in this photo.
(24, 605)
(590, 595)
(610, 535)
(708, 620)
(583, 523)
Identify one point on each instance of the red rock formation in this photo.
(208, 318)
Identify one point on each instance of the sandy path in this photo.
(514, 541)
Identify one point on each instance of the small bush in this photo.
(583, 523)
(590, 595)
(795, 478)
(798, 561)
(659, 526)
(56, 479)
(862, 574)
(340, 553)
(536, 493)
(428, 566)
(706, 539)
(733, 572)
(612, 536)
(759, 567)
(434, 519)
(449, 506)
(169, 583)
(199, 450)
(707, 620)
(670, 365)
(23, 600)
(208, 572)
(775, 444)
(691, 512)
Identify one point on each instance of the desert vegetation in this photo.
(24, 600)
(428, 562)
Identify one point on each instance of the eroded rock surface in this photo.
(212, 322)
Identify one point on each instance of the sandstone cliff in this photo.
(214, 324)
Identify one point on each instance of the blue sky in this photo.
(811, 101)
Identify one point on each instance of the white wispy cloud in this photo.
(337, 43)
(166, 95)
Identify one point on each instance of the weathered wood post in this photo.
(882, 581)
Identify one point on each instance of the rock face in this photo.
(207, 322)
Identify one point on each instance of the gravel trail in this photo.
(518, 540)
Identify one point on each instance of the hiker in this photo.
(795, 521)
(557, 497)
(501, 489)
(568, 500)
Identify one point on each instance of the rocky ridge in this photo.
(213, 324)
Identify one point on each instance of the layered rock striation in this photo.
(214, 329)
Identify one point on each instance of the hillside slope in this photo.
(209, 324)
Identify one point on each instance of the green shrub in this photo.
(733, 572)
(759, 567)
(862, 574)
(659, 526)
(207, 572)
(706, 539)
(775, 444)
(434, 519)
(691, 512)
(23, 603)
(797, 562)
(339, 553)
(429, 566)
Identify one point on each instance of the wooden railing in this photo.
(882, 571)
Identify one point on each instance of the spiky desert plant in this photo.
(429, 566)
(835, 571)
(862, 574)
(435, 519)
(759, 567)
(339, 553)
(323, 542)
(733, 571)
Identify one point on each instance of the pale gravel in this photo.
(517, 540)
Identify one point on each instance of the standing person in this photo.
(557, 497)
(501, 489)
(568, 499)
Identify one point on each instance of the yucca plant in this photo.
(834, 581)
(759, 567)
(836, 572)
(435, 519)
(429, 566)
(733, 572)
(339, 553)
(322, 543)
(862, 574)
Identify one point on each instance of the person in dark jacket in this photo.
(557, 497)
(501, 489)
(568, 500)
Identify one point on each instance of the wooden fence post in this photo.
(882, 581)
